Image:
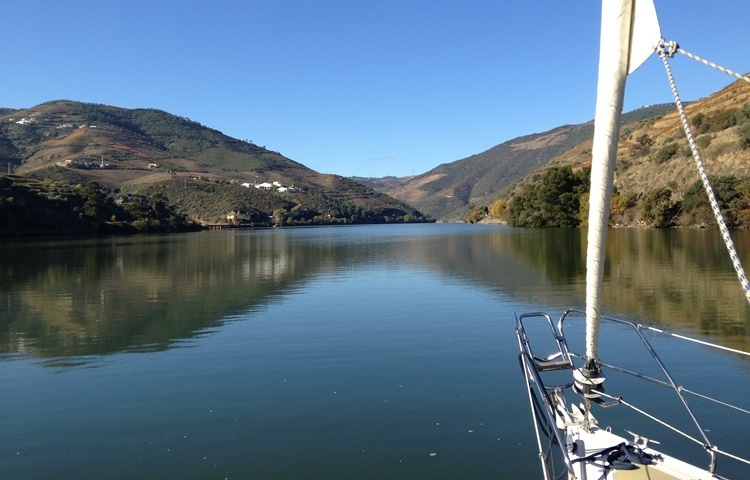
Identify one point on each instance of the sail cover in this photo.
(629, 34)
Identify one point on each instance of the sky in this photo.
(353, 87)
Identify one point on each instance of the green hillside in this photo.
(447, 191)
(517, 181)
(205, 175)
(656, 181)
(31, 207)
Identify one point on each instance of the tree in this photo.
(497, 209)
(95, 202)
(553, 202)
(727, 190)
(658, 208)
(154, 213)
(474, 215)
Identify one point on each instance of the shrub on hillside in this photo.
(553, 202)
(745, 136)
(642, 145)
(666, 152)
(658, 208)
(732, 195)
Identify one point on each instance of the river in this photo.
(323, 353)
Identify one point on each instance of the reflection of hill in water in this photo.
(92, 297)
(683, 279)
(97, 297)
(679, 279)
(530, 264)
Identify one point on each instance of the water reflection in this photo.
(682, 279)
(96, 297)
(73, 298)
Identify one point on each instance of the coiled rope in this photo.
(665, 50)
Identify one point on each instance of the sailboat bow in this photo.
(566, 430)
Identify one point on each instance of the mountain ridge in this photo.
(145, 151)
(447, 191)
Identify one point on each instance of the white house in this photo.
(264, 186)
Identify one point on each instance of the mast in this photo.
(629, 34)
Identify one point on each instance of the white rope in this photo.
(668, 50)
(711, 64)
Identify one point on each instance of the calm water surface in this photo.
(349, 352)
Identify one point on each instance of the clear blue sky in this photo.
(366, 88)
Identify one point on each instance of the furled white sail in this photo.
(646, 34)
(629, 34)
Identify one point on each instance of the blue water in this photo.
(357, 352)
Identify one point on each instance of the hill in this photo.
(199, 170)
(447, 191)
(656, 181)
(31, 207)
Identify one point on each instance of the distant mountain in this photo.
(383, 184)
(446, 191)
(655, 167)
(200, 170)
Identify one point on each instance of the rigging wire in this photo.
(667, 50)
(710, 448)
(694, 340)
(709, 63)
